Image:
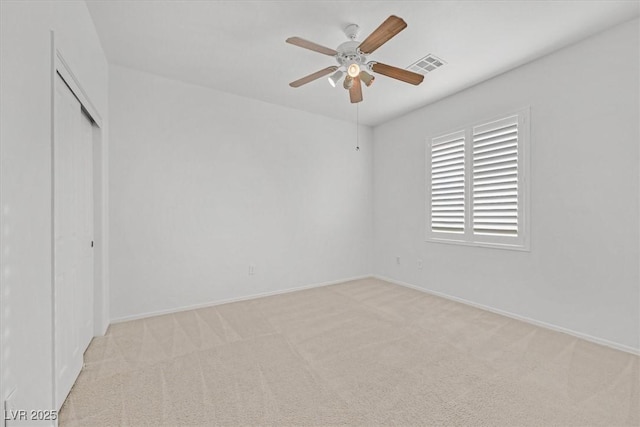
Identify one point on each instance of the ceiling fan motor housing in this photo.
(348, 53)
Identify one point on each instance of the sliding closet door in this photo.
(73, 231)
(85, 180)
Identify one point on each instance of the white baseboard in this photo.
(550, 326)
(229, 300)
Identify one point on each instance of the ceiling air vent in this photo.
(426, 65)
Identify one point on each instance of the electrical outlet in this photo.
(252, 269)
(398, 260)
(419, 264)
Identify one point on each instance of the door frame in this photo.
(100, 201)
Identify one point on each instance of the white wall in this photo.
(25, 179)
(204, 183)
(582, 271)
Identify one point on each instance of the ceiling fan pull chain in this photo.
(357, 127)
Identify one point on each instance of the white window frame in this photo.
(468, 238)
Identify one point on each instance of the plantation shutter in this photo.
(448, 183)
(495, 178)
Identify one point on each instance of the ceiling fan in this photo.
(352, 59)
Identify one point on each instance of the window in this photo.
(448, 183)
(477, 184)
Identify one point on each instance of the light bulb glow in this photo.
(353, 70)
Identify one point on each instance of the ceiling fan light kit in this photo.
(353, 70)
(352, 59)
(366, 78)
(335, 78)
(348, 82)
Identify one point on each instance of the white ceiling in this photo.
(239, 46)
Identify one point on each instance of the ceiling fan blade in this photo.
(355, 93)
(314, 76)
(388, 29)
(398, 73)
(311, 46)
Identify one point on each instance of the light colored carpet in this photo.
(359, 353)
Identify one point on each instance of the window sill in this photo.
(520, 248)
